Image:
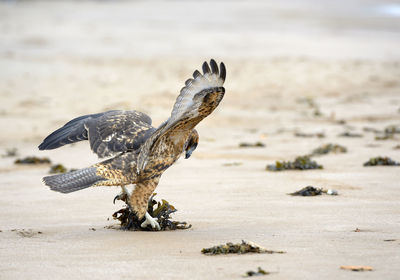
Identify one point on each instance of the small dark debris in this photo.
(384, 161)
(389, 240)
(32, 160)
(314, 108)
(160, 210)
(93, 229)
(233, 164)
(371, 129)
(11, 152)
(357, 230)
(384, 137)
(57, 168)
(397, 147)
(310, 135)
(392, 129)
(329, 148)
(300, 163)
(26, 232)
(259, 272)
(386, 134)
(350, 134)
(238, 248)
(308, 101)
(251, 145)
(317, 112)
(357, 267)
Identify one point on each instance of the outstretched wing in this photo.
(109, 133)
(200, 96)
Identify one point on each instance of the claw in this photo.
(121, 196)
(150, 221)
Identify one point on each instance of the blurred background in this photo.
(60, 59)
(300, 74)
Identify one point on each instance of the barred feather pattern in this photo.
(73, 181)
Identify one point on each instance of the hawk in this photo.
(139, 153)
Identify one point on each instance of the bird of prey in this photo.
(139, 153)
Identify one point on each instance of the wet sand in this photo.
(291, 68)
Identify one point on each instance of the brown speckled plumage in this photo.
(144, 151)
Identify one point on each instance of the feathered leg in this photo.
(139, 201)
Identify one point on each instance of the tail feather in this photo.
(73, 181)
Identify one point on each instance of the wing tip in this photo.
(222, 68)
(206, 68)
(214, 66)
(211, 69)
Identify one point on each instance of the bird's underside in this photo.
(143, 152)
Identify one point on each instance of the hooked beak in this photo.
(190, 151)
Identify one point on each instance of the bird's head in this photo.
(191, 143)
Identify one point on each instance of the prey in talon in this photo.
(138, 153)
(158, 211)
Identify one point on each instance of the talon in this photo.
(150, 221)
(121, 196)
(115, 198)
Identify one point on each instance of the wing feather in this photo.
(109, 132)
(188, 104)
(210, 79)
(73, 131)
(119, 131)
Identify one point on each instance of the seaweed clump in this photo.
(388, 133)
(238, 248)
(300, 163)
(57, 168)
(329, 148)
(350, 134)
(32, 160)
(251, 145)
(381, 161)
(392, 129)
(160, 210)
(259, 272)
(313, 191)
(310, 135)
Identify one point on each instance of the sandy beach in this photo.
(300, 68)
